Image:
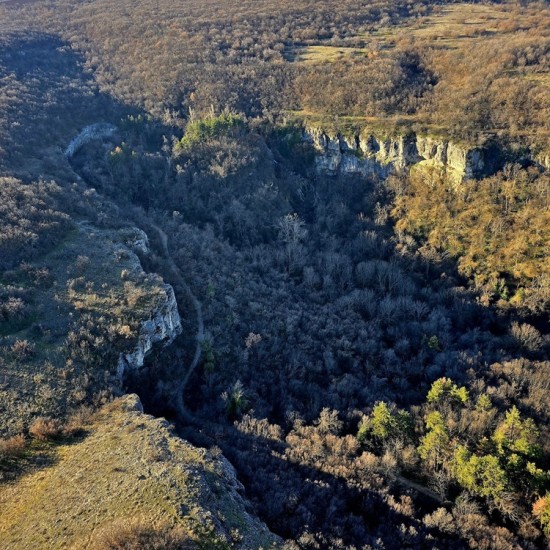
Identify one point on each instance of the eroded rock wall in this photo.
(372, 155)
(162, 328)
(90, 133)
(164, 324)
(543, 159)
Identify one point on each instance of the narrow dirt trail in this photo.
(197, 306)
(419, 488)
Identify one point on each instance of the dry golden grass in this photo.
(542, 79)
(452, 26)
(326, 54)
(449, 27)
(128, 466)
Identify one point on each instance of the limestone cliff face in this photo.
(163, 327)
(432, 149)
(164, 324)
(366, 156)
(136, 239)
(371, 155)
(99, 130)
(543, 159)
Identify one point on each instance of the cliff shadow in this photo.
(48, 96)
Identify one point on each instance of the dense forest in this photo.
(372, 354)
(467, 69)
(342, 364)
(497, 227)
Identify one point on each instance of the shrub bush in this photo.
(203, 130)
(12, 447)
(140, 534)
(22, 349)
(44, 428)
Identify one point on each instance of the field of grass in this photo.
(454, 26)
(448, 27)
(127, 466)
(324, 54)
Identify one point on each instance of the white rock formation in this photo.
(163, 327)
(90, 133)
(543, 159)
(371, 155)
(136, 239)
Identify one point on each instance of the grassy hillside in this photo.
(127, 473)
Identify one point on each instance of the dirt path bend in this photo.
(420, 488)
(197, 306)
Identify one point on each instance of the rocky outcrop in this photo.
(542, 158)
(136, 239)
(432, 149)
(465, 161)
(90, 133)
(164, 322)
(372, 155)
(129, 469)
(163, 327)
(356, 155)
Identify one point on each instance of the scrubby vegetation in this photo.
(498, 228)
(372, 356)
(138, 534)
(30, 222)
(65, 321)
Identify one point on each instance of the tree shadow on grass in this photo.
(36, 456)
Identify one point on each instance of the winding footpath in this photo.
(197, 306)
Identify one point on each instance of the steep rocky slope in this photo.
(129, 465)
(98, 314)
(373, 153)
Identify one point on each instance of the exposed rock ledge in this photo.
(543, 159)
(163, 327)
(100, 130)
(369, 155)
(164, 324)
